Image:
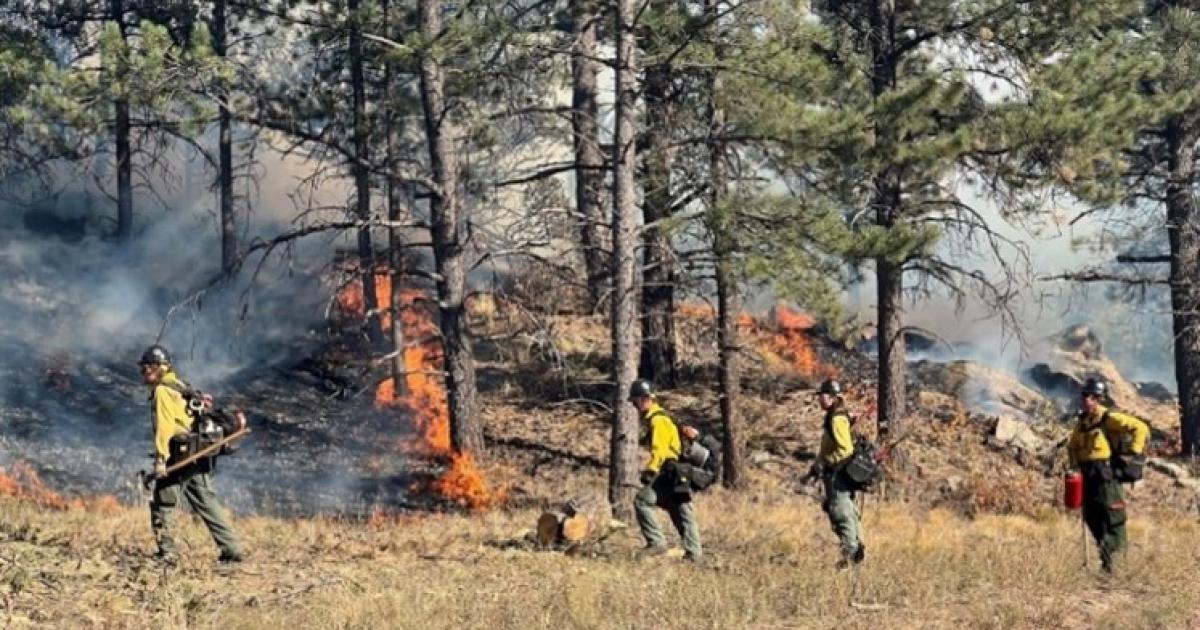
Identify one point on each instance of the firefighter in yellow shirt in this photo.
(1108, 447)
(837, 446)
(660, 483)
(169, 418)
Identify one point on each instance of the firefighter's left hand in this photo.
(814, 473)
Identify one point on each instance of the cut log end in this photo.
(548, 528)
(578, 521)
(576, 528)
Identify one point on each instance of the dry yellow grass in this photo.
(770, 559)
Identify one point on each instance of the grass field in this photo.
(770, 559)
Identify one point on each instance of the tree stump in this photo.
(578, 521)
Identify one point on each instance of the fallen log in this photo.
(578, 521)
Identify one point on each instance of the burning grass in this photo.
(770, 557)
(784, 338)
(791, 341)
(21, 481)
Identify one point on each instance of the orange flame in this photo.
(464, 485)
(350, 297)
(787, 318)
(24, 483)
(423, 398)
(790, 341)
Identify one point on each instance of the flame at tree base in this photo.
(423, 399)
(463, 484)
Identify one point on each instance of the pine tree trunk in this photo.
(124, 154)
(589, 158)
(623, 466)
(1183, 230)
(721, 225)
(229, 246)
(658, 278)
(362, 174)
(395, 208)
(449, 239)
(892, 386)
(887, 204)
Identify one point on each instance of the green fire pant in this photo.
(843, 514)
(196, 489)
(1103, 510)
(656, 494)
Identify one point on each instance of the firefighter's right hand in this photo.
(160, 469)
(647, 477)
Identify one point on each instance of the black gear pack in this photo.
(700, 462)
(862, 468)
(210, 424)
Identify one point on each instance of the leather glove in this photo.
(814, 473)
(647, 477)
(160, 469)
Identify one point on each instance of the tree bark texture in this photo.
(124, 153)
(362, 174)
(229, 236)
(888, 207)
(594, 234)
(658, 278)
(1183, 231)
(449, 236)
(623, 465)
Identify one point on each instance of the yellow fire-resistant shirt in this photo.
(168, 414)
(837, 444)
(1094, 436)
(663, 437)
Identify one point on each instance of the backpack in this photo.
(700, 462)
(862, 469)
(210, 424)
(1127, 467)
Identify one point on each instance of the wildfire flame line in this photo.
(785, 339)
(24, 483)
(423, 398)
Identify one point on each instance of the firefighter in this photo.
(837, 446)
(1107, 446)
(169, 418)
(661, 486)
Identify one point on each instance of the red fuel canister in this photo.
(1073, 490)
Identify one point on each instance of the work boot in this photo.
(230, 558)
(860, 554)
(652, 551)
